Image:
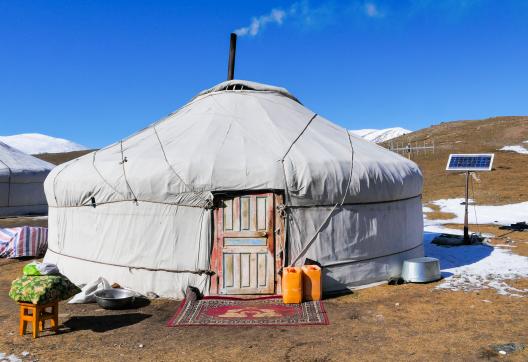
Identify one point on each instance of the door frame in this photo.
(278, 238)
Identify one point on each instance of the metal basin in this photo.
(421, 270)
(114, 298)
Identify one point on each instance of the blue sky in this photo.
(97, 71)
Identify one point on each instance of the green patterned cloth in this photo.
(42, 289)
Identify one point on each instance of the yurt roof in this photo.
(15, 161)
(237, 135)
(246, 85)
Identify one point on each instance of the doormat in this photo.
(263, 311)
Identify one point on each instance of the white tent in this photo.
(236, 183)
(21, 182)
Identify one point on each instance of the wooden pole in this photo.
(232, 53)
(466, 226)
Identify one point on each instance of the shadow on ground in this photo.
(455, 256)
(103, 323)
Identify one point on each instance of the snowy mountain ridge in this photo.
(36, 143)
(380, 135)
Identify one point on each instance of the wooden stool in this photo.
(38, 316)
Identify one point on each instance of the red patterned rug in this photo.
(264, 311)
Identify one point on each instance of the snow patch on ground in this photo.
(475, 267)
(501, 214)
(380, 135)
(427, 209)
(36, 143)
(9, 358)
(515, 148)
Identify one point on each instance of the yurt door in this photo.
(243, 254)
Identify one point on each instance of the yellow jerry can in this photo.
(292, 285)
(312, 284)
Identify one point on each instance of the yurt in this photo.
(21, 182)
(227, 190)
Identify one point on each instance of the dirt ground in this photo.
(12, 222)
(407, 322)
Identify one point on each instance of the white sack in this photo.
(87, 293)
(47, 268)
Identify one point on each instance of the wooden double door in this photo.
(244, 254)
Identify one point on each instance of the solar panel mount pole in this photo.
(466, 226)
(232, 53)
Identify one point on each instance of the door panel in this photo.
(244, 248)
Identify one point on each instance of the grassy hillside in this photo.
(58, 158)
(506, 183)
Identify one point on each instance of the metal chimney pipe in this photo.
(232, 53)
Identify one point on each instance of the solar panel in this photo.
(470, 162)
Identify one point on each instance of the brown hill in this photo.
(58, 158)
(508, 180)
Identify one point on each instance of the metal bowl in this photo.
(421, 270)
(114, 298)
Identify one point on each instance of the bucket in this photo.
(421, 270)
(312, 286)
(292, 285)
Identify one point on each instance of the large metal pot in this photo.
(421, 270)
(114, 298)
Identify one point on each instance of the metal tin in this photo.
(114, 298)
(421, 270)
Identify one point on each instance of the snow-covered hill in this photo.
(36, 143)
(380, 135)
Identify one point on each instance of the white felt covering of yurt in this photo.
(21, 182)
(352, 205)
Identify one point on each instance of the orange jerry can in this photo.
(312, 284)
(292, 285)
